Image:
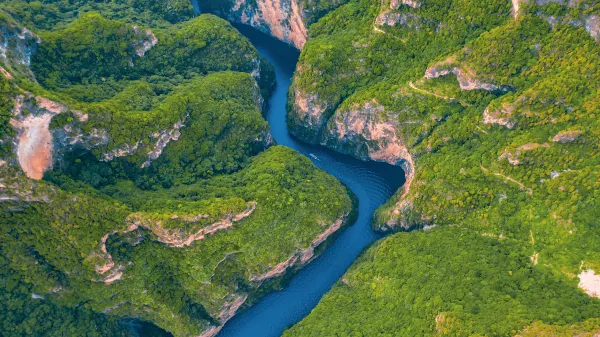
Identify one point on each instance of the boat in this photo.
(313, 156)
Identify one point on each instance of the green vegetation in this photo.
(167, 201)
(52, 14)
(446, 282)
(500, 118)
(57, 245)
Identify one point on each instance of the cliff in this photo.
(139, 186)
(494, 118)
(286, 20)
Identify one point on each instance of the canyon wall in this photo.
(286, 20)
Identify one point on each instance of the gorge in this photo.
(368, 167)
(373, 184)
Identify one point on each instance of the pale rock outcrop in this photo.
(163, 138)
(6, 74)
(34, 140)
(17, 46)
(301, 257)
(467, 79)
(146, 42)
(121, 151)
(592, 25)
(393, 19)
(229, 310)
(308, 115)
(566, 136)
(395, 4)
(105, 265)
(516, 6)
(284, 19)
(362, 131)
(502, 116)
(589, 282)
(513, 156)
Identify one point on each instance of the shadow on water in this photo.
(373, 183)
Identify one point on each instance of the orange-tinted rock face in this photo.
(281, 18)
(35, 145)
(364, 126)
(34, 141)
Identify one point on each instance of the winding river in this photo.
(373, 183)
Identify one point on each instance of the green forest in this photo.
(168, 204)
(163, 205)
(496, 110)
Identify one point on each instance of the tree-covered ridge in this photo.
(130, 91)
(95, 53)
(125, 258)
(498, 133)
(450, 282)
(54, 14)
(162, 198)
(351, 50)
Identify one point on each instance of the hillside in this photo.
(492, 110)
(139, 180)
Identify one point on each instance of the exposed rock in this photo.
(589, 282)
(308, 115)
(147, 41)
(174, 238)
(121, 151)
(516, 4)
(163, 139)
(178, 238)
(303, 256)
(32, 116)
(361, 132)
(513, 157)
(566, 136)
(467, 79)
(17, 45)
(228, 311)
(398, 19)
(284, 19)
(395, 4)
(6, 74)
(592, 25)
(501, 116)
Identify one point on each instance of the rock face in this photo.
(17, 45)
(361, 132)
(35, 144)
(308, 116)
(467, 79)
(284, 19)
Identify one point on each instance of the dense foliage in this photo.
(167, 202)
(498, 114)
(50, 14)
(446, 282)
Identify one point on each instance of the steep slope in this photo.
(497, 130)
(447, 282)
(147, 187)
(286, 20)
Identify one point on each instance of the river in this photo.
(373, 183)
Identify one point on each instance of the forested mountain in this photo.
(492, 108)
(138, 178)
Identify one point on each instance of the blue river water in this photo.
(373, 184)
